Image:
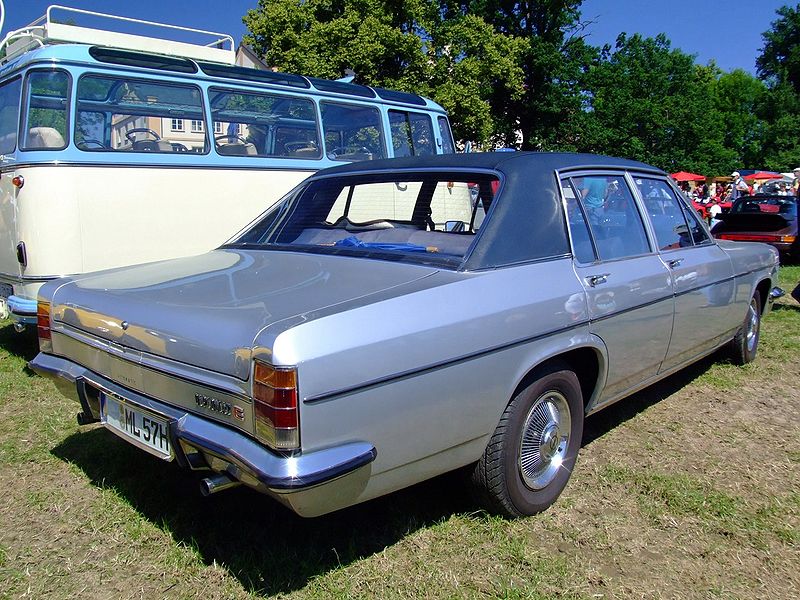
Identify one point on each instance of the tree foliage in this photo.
(520, 74)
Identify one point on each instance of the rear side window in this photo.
(412, 134)
(674, 224)
(352, 132)
(582, 246)
(116, 114)
(47, 94)
(9, 114)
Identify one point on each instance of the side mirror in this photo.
(455, 226)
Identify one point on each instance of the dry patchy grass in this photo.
(686, 490)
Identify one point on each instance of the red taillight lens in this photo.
(275, 403)
(43, 326)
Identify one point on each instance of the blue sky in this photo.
(727, 31)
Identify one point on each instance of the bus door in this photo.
(10, 268)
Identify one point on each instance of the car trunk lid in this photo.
(206, 310)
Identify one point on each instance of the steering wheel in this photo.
(132, 133)
(230, 136)
(93, 142)
(341, 150)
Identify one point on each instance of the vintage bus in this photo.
(119, 148)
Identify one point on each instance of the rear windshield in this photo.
(431, 218)
(783, 205)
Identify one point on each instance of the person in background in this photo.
(739, 187)
(713, 213)
(594, 197)
(755, 187)
(796, 183)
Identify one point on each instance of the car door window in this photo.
(666, 214)
(613, 219)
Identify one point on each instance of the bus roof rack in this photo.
(172, 40)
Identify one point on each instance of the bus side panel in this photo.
(123, 216)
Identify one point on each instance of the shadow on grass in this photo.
(781, 307)
(597, 425)
(265, 546)
(25, 345)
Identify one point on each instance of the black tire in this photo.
(516, 480)
(744, 345)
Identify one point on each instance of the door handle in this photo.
(675, 263)
(594, 280)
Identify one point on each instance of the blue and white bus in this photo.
(118, 149)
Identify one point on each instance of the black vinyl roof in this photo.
(504, 162)
(526, 222)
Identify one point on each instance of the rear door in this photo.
(701, 273)
(628, 287)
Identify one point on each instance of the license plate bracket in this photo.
(137, 425)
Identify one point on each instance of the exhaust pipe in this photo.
(217, 483)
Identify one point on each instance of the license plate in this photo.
(144, 429)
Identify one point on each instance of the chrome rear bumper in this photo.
(203, 444)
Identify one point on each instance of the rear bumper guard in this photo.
(189, 432)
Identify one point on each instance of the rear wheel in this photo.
(532, 452)
(745, 343)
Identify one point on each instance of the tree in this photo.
(650, 102)
(382, 41)
(779, 61)
(504, 70)
(541, 106)
(779, 66)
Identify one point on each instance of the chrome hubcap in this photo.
(545, 439)
(752, 327)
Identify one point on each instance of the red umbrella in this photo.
(685, 176)
(762, 175)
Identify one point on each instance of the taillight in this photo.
(275, 402)
(43, 326)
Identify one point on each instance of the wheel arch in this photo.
(762, 289)
(587, 362)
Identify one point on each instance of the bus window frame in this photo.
(301, 95)
(18, 126)
(136, 77)
(383, 116)
(23, 131)
(433, 126)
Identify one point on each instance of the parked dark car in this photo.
(771, 219)
(392, 320)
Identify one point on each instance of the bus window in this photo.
(9, 115)
(412, 133)
(448, 147)
(352, 132)
(130, 115)
(46, 116)
(259, 124)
